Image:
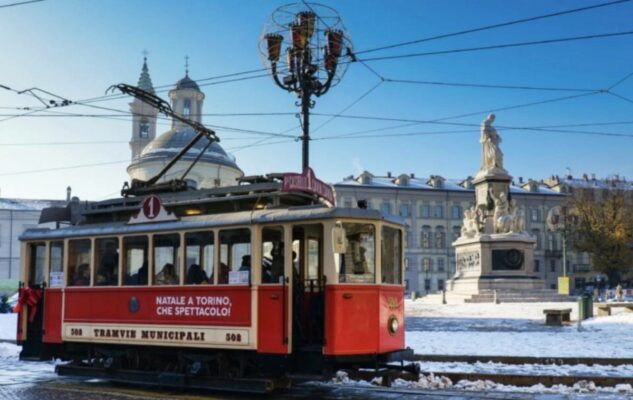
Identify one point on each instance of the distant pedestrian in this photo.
(596, 295)
(618, 292)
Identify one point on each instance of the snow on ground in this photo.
(528, 369)
(513, 329)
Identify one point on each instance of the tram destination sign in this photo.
(307, 182)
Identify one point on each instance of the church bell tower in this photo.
(143, 116)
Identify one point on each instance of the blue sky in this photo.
(78, 48)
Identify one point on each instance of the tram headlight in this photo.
(393, 325)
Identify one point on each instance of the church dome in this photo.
(171, 142)
(187, 83)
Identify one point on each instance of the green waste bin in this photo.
(585, 307)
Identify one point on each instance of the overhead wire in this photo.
(21, 3)
(495, 26)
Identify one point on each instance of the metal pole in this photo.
(305, 113)
(564, 253)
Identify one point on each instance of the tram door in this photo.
(308, 287)
(34, 284)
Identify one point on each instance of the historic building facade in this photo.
(432, 208)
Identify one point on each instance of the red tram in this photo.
(211, 287)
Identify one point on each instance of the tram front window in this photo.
(357, 264)
(235, 256)
(391, 258)
(79, 262)
(135, 270)
(272, 254)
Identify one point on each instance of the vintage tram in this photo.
(232, 287)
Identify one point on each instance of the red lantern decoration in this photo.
(334, 42)
(306, 21)
(298, 36)
(273, 42)
(292, 61)
(330, 61)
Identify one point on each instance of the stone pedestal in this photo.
(495, 262)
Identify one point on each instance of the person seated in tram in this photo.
(167, 276)
(223, 276)
(108, 267)
(196, 275)
(141, 275)
(277, 267)
(81, 277)
(246, 263)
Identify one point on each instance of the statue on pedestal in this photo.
(491, 155)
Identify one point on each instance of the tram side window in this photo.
(199, 257)
(166, 259)
(79, 262)
(235, 256)
(356, 265)
(135, 260)
(391, 255)
(272, 254)
(56, 274)
(36, 264)
(107, 261)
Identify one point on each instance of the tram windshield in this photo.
(357, 264)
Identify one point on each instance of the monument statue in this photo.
(491, 155)
(502, 217)
(470, 226)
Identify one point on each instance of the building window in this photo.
(456, 212)
(426, 237)
(404, 210)
(409, 238)
(144, 129)
(535, 215)
(438, 211)
(440, 265)
(552, 265)
(427, 285)
(551, 241)
(457, 231)
(347, 203)
(537, 265)
(425, 211)
(186, 109)
(440, 284)
(427, 265)
(440, 237)
(386, 208)
(537, 235)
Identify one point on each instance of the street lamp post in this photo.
(313, 45)
(559, 219)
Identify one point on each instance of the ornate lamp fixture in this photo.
(314, 41)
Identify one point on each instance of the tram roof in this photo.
(264, 216)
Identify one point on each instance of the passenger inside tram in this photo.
(82, 275)
(167, 276)
(107, 274)
(246, 263)
(196, 275)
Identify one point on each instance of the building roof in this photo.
(28, 204)
(427, 183)
(171, 142)
(145, 81)
(187, 83)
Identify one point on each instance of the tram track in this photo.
(516, 360)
